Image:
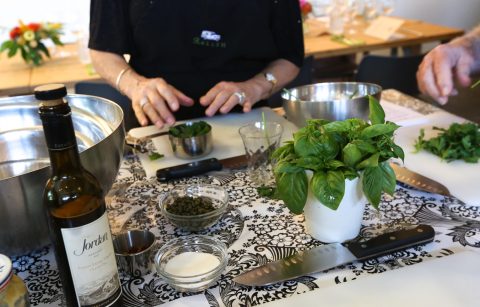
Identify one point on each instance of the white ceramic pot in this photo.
(327, 225)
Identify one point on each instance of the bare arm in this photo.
(152, 99)
(221, 97)
(456, 59)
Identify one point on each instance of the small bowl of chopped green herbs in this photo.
(191, 139)
(194, 207)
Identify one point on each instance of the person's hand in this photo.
(435, 75)
(156, 100)
(226, 95)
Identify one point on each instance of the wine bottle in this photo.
(76, 211)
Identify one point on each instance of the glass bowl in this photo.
(192, 263)
(218, 196)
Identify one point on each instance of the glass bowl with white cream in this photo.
(191, 263)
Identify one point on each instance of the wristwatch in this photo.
(270, 78)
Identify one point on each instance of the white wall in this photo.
(463, 14)
(74, 14)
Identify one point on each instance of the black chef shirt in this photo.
(193, 45)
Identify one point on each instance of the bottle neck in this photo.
(60, 137)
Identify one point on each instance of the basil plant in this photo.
(336, 151)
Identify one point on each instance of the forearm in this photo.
(109, 66)
(283, 70)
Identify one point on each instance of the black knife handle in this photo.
(393, 241)
(188, 169)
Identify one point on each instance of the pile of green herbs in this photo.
(188, 206)
(457, 142)
(336, 151)
(189, 130)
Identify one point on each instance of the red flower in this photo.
(306, 8)
(15, 32)
(34, 26)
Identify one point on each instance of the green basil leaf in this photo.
(286, 167)
(371, 161)
(377, 115)
(310, 145)
(292, 188)
(377, 180)
(351, 154)
(364, 146)
(338, 126)
(329, 188)
(378, 129)
(398, 151)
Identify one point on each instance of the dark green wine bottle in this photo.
(76, 211)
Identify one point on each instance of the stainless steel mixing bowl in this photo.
(24, 162)
(330, 100)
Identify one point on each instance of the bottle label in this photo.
(91, 259)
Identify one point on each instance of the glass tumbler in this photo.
(260, 140)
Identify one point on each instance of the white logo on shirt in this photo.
(210, 36)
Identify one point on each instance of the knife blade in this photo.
(418, 181)
(332, 255)
(199, 167)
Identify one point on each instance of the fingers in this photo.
(224, 96)
(435, 76)
(463, 69)
(155, 100)
(436, 73)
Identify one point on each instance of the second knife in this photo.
(332, 255)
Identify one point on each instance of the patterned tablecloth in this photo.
(258, 230)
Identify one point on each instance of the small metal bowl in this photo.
(330, 100)
(134, 251)
(217, 194)
(191, 147)
(206, 260)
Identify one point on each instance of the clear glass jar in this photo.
(13, 291)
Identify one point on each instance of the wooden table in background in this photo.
(412, 34)
(17, 78)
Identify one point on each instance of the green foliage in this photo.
(190, 130)
(155, 156)
(336, 151)
(33, 49)
(458, 142)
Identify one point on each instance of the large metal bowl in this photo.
(24, 162)
(330, 100)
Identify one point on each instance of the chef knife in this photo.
(329, 256)
(418, 181)
(199, 167)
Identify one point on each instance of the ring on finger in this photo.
(143, 102)
(241, 97)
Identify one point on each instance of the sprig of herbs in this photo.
(265, 191)
(155, 156)
(347, 41)
(458, 142)
(336, 151)
(190, 129)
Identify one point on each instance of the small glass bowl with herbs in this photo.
(194, 207)
(191, 139)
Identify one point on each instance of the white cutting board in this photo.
(226, 139)
(462, 179)
(441, 282)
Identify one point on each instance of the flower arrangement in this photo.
(27, 38)
(305, 8)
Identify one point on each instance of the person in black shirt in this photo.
(195, 58)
